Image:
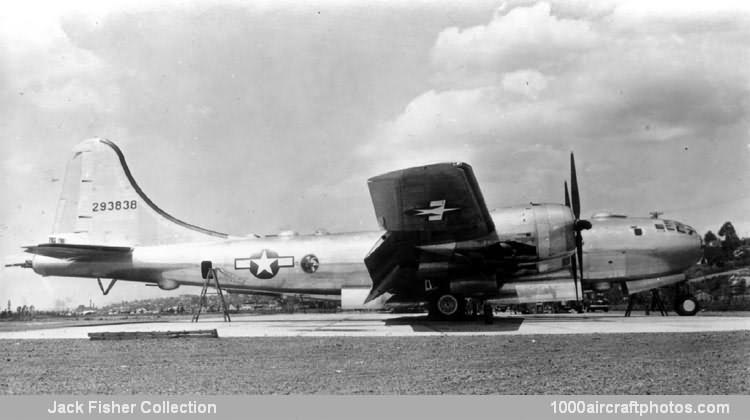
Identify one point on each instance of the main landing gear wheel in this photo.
(686, 305)
(447, 306)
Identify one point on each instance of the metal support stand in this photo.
(101, 286)
(212, 274)
(653, 305)
(657, 303)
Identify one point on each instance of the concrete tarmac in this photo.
(404, 325)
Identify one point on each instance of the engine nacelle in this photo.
(167, 284)
(474, 286)
(541, 230)
(537, 291)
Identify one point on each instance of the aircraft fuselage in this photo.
(616, 249)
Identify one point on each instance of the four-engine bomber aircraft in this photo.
(440, 244)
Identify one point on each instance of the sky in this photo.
(256, 117)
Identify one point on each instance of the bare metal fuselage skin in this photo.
(633, 249)
(340, 259)
(613, 253)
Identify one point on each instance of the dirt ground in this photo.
(676, 363)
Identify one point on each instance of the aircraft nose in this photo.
(692, 244)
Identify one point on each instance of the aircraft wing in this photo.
(743, 270)
(75, 252)
(442, 201)
(438, 204)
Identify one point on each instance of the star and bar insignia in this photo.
(264, 264)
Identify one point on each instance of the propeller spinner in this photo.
(578, 225)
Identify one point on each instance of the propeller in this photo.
(578, 225)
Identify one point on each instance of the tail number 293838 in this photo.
(114, 205)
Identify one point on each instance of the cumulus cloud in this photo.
(515, 39)
(532, 76)
(621, 83)
(525, 82)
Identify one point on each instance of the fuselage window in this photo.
(638, 231)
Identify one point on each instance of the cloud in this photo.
(532, 76)
(525, 82)
(47, 69)
(515, 39)
(616, 83)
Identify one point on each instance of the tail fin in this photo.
(102, 204)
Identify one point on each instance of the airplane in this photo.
(440, 245)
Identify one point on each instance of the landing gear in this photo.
(686, 305)
(454, 307)
(447, 306)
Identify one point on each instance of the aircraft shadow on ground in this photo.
(423, 324)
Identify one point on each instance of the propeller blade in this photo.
(579, 225)
(579, 254)
(574, 268)
(574, 188)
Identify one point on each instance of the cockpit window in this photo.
(637, 231)
(673, 225)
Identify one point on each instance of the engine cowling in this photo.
(547, 229)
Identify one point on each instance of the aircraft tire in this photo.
(686, 305)
(448, 306)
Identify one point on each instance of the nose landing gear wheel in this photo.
(686, 305)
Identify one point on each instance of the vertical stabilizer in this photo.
(102, 204)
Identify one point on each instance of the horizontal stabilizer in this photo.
(80, 252)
